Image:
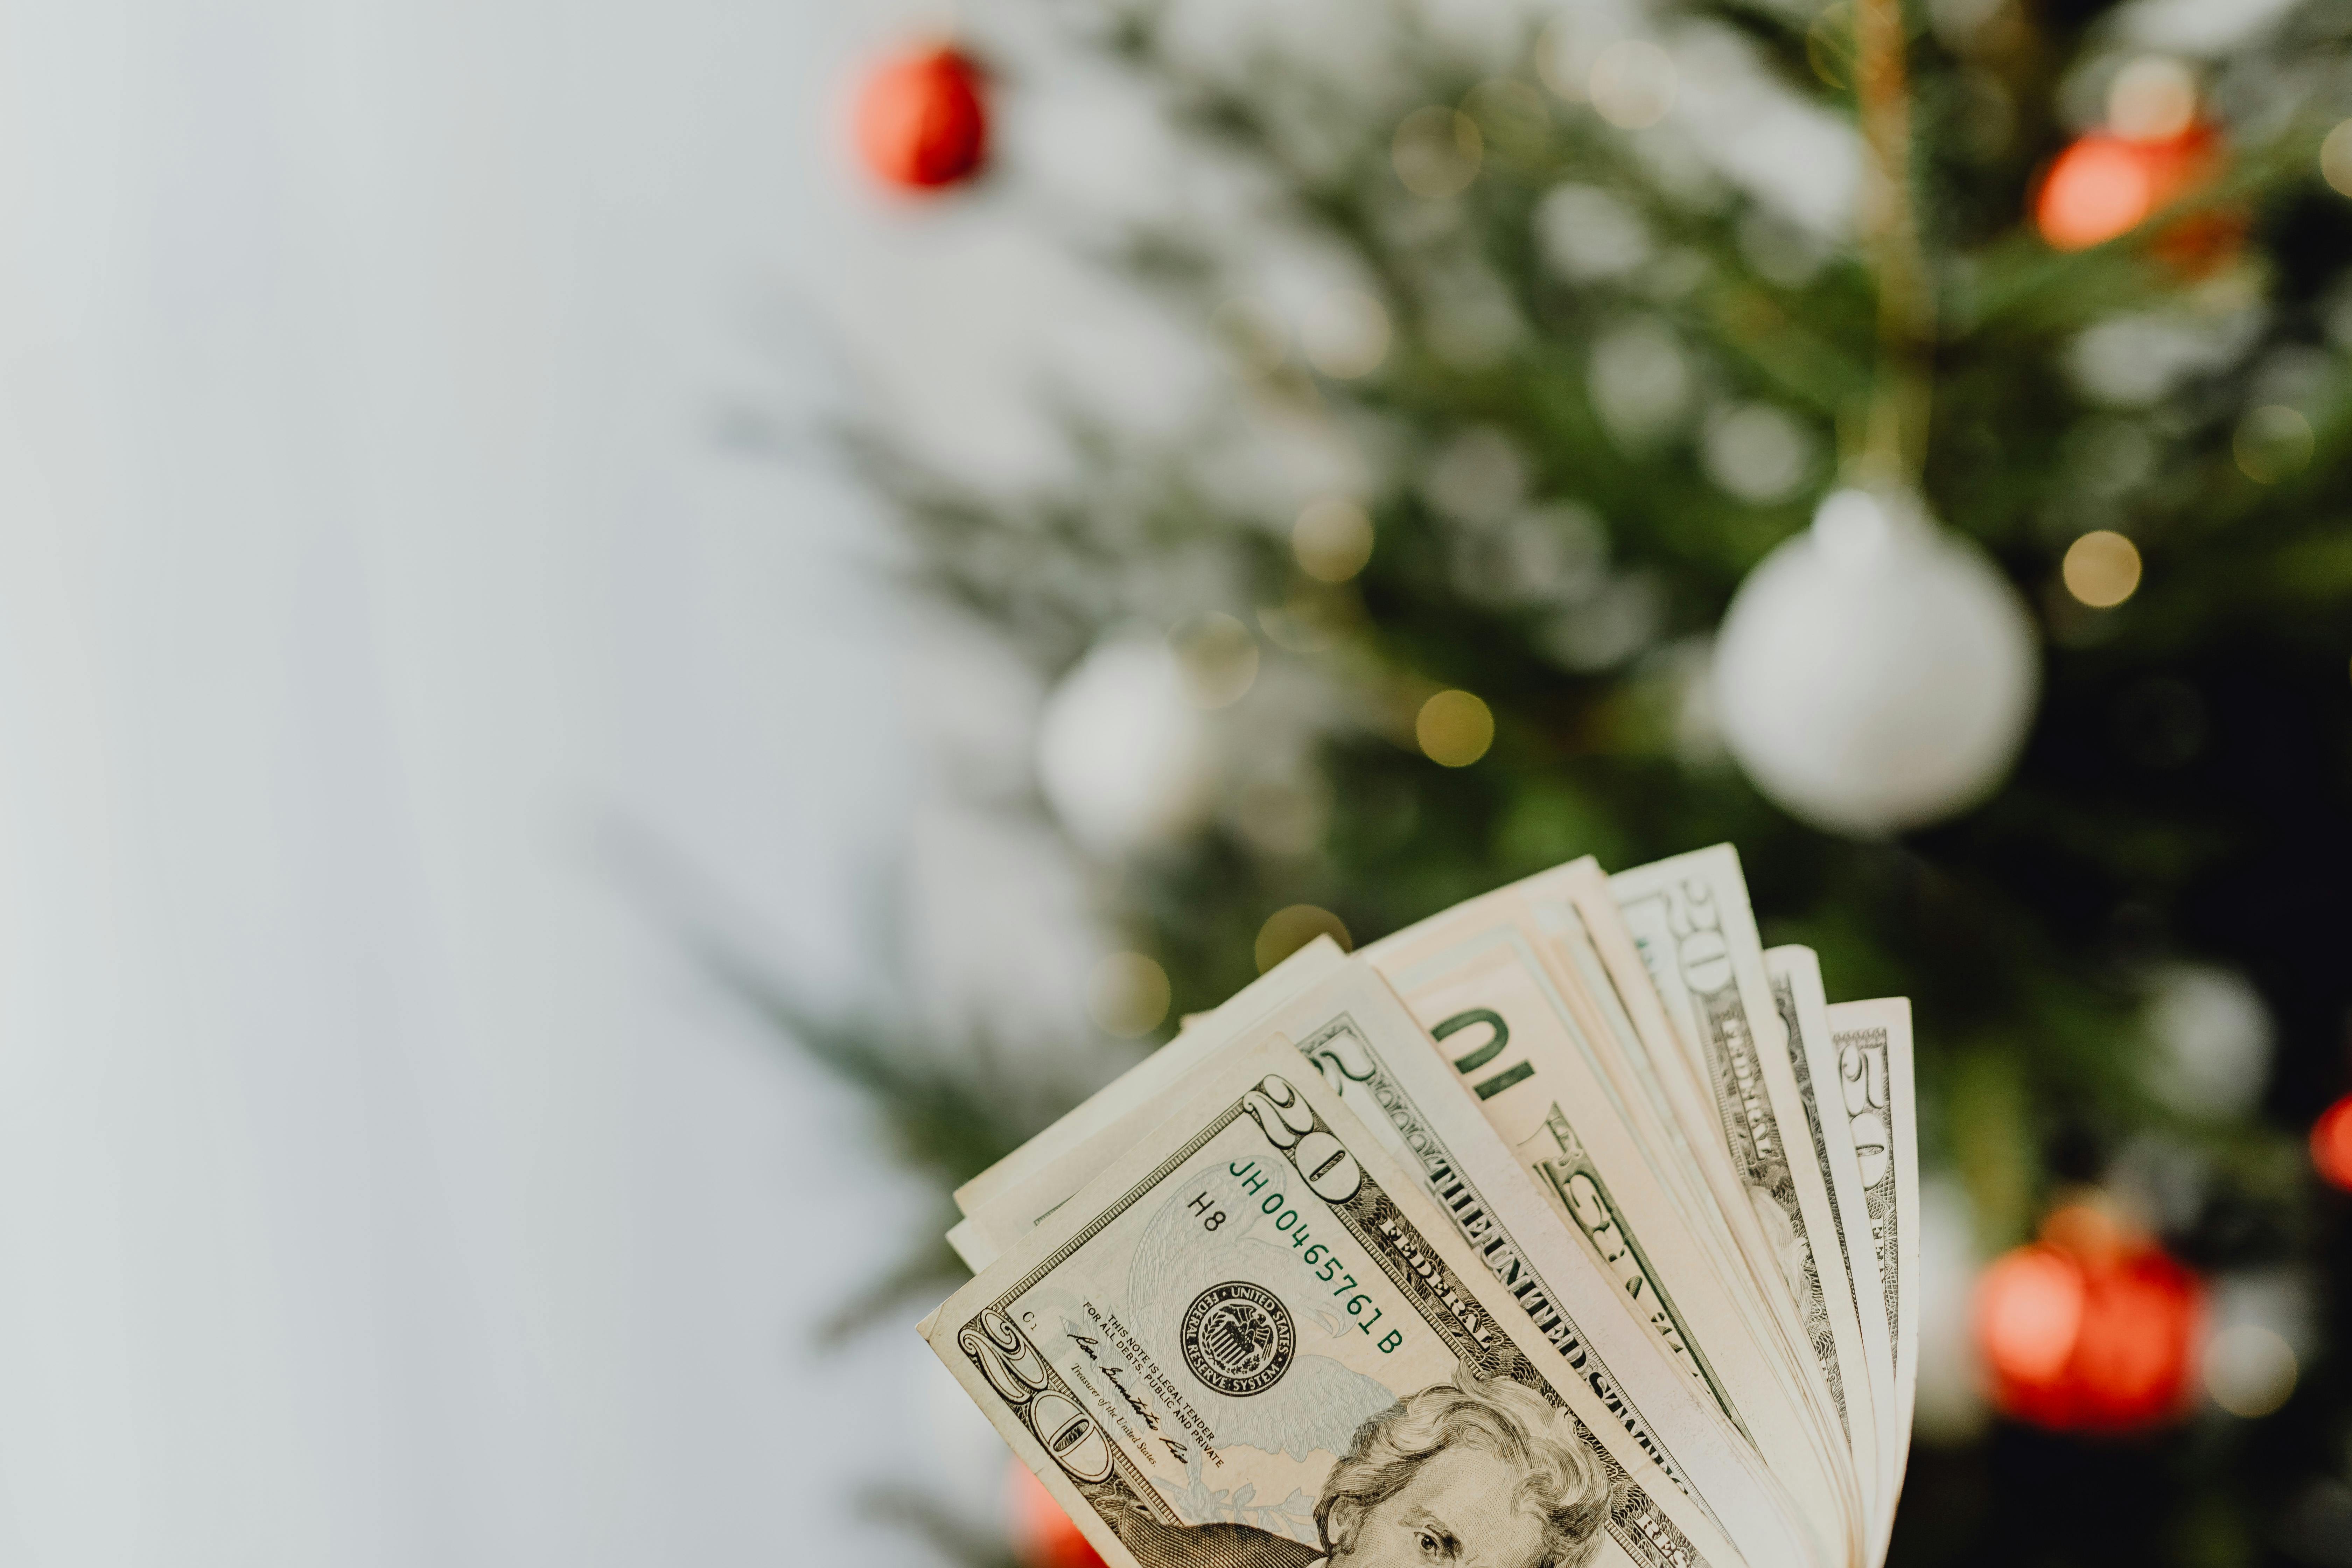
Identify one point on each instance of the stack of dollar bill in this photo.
(1570, 1226)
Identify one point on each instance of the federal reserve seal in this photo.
(1238, 1338)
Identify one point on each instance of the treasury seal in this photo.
(1238, 1338)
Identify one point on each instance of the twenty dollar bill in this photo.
(1252, 1343)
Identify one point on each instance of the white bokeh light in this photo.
(1121, 754)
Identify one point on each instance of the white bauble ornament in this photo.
(1874, 672)
(1124, 759)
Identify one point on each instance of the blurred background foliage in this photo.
(1531, 335)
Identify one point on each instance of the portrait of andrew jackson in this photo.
(1464, 1473)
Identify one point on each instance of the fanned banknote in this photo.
(1804, 1014)
(1873, 1052)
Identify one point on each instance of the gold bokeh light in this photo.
(2249, 1369)
(1633, 83)
(2101, 569)
(1455, 729)
(1332, 539)
(2153, 98)
(1345, 334)
(1437, 151)
(1216, 660)
(1289, 929)
(2273, 443)
(2336, 159)
(1128, 994)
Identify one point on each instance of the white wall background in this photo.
(377, 1183)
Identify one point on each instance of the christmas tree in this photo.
(1539, 332)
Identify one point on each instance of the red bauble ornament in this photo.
(2089, 1329)
(921, 122)
(1043, 1535)
(2331, 1143)
(2105, 185)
